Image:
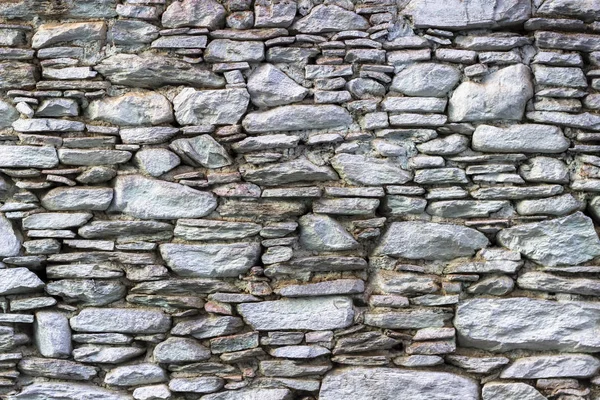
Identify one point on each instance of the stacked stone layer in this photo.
(286, 200)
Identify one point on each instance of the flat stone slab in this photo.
(292, 118)
(121, 320)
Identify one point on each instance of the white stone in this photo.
(210, 107)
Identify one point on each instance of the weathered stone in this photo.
(17, 75)
(47, 125)
(330, 18)
(323, 233)
(318, 313)
(269, 87)
(559, 205)
(201, 151)
(134, 375)
(78, 198)
(494, 285)
(537, 280)
(135, 108)
(218, 107)
(58, 108)
(251, 394)
(8, 114)
(210, 260)
(370, 171)
(50, 34)
(404, 283)
(68, 390)
(28, 156)
(206, 327)
(156, 162)
(147, 198)
(155, 71)
(500, 95)
(465, 208)
(109, 229)
(89, 292)
(128, 32)
(57, 369)
(477, 365)
(327, 288)
(52, 334)
(383, 383)
(507, 391)
(426, 79)
(226, 50)
(92, 157)
(10, 244)
(179, 350)
(569, 240)
(430, 241)
(523, 323)
(106, 354)
(445, 146)
(292, 118)
(554, 366)
(121, 320)
(152, 392)
(207, 384)
(195, 13)
(297, 170)
(544, 169)
(528, 138)
(457, 15)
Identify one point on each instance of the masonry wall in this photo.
(294, 200)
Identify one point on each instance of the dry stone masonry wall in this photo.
(296, 200)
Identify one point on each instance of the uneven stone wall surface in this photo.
(296, 200)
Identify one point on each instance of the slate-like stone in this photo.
(229, 51)
(134, 375)
(128, 32)
(106, 354)
(552, 366)
(134, 108)
(430, 241)
(545, 169)
(270, 87)
(50, 34)
(465, 208)
(57, 369)
(28, 157)
(93, 157)
(524, 323)
(78, 198)
(526, 138)
(148, 198)
(251, 394)
(208, 326)
(369, 171)
(559, 205)
(121, 320)
(94, 292)
(153, 71)
(426, 80)
(570, 8)
(17, 75)
(330, 18)
(323, 233)
(194, 13)
(210, 260)
(156, 162)
(385, 383)
(201, 150)
(52, 334)
(210, 107)
(8, 114)
(317, 313)
(180, 350)
(67, 390)
(297, 170)
(500, 95)
(203, 384)
(509, 391)
(457, 14)
(47, 125)
(293, 118)
(10, 241)
(569, 240)
(19, 280)
(538, 280)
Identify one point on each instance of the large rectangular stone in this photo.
(28, 156)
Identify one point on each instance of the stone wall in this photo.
(295, 200)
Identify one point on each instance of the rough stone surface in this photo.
(219, 107)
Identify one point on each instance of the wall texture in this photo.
(293, 200)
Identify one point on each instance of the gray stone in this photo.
(582, 120)
(134, 108)
(457, 15)
(210, 260)
(265, 142)
(147, 198)
(210, 107)
(426, 79)
(10, 240)
(199, 229)
(553, 366)
(370, 171)
(567, 41)
(50, 34)
(445, 146)
(205, 384)
(559, 76)
(19, 280)
(430, 241)
(152, 392)
(194, 13)
(269, 87)
(121, 320)
(87, 291)
(436, 176)
(327, 288)
(545, 169)
(292, 118)
(465, 208)
(134, 375)
(226, 50)
(156, 162)
(251, 394)
(569, 240)
(323, 233)
(28, 157)
(128, 32)
(180, 350)
(67, 390)
(477, 365)
(8, 114)
(559, 205)
(297, 170)
(57, 108)
(92, 157)
(524, 323)
(110, 229)
(570, 8)
(47, 125)
(306, 351)
(318, 313)
(57, 369)
(201, 150)
(494, 285)
(526, 138)
(78, 198)
(106, 354)
(153, 71)
(147, 135)
(52, 334)
(500, 95)
(402, 205)
(208, 326)
(330, 18)
(17, 75)
(509, 391)
(537, 280)
(404, 283)
(386, 383)
(274, 13)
